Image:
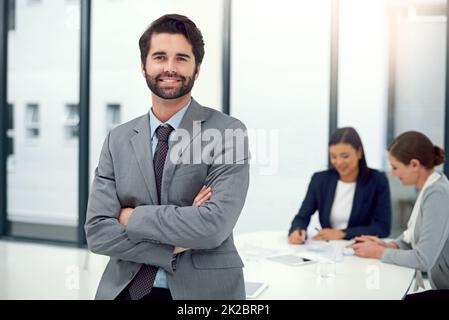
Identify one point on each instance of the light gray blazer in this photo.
(431, 253)
(212, 269)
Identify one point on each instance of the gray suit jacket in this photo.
(212, 269)
(431, 253)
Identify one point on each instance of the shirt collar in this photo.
(174, 121)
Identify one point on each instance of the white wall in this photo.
(363, 74)
(280, 88)
(421, 76)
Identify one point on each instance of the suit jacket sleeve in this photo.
(204, 227)
(105, 235)
(308, 208)
(433, 234)
(381, 221)
(401, 243)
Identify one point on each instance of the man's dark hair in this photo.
(173, 24)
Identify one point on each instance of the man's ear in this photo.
(197, 73)
(142, 69)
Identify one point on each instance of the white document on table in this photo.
(254, 289)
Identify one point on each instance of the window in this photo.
(113, 116)
(45, 168)
(10, 130)
(32, 121)
(33, 2)
(11, 15)
(274, 137)
(72, 119)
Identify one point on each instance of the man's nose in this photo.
(170, 66)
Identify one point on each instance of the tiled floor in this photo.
(34, 271)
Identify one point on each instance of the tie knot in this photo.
(163, 132)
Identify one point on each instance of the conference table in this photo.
(353, 277)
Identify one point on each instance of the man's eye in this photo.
(158, 58)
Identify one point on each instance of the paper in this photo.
(291, 260)
(316, 245)
(254, 289)
(254, 252)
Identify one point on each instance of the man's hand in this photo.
(179, 250)
(329, 234)
(124, 216)
(204, 195)
(297, 237)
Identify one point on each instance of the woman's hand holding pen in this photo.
(297, 237)
(368, 247)
(366, 240)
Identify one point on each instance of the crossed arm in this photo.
(151, 234)
(204, 195)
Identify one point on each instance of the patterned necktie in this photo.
(144, 280)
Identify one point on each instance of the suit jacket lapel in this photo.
(330, 195)
(141, 143)
(356, 203)
(195, 113)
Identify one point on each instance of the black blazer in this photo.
(371, 208)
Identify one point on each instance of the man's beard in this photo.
(170, 92)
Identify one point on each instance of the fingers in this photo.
(367, 238)
(317, 236)
(323, 234)
(362, 245)
(179, 250)
(362, 239)
(203, 196)
(303, 236)
(204, 199)
(201, 193)
(370, 238)
(360, 252)
(295, 238)
(356, 246)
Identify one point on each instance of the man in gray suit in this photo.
(170, 185)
